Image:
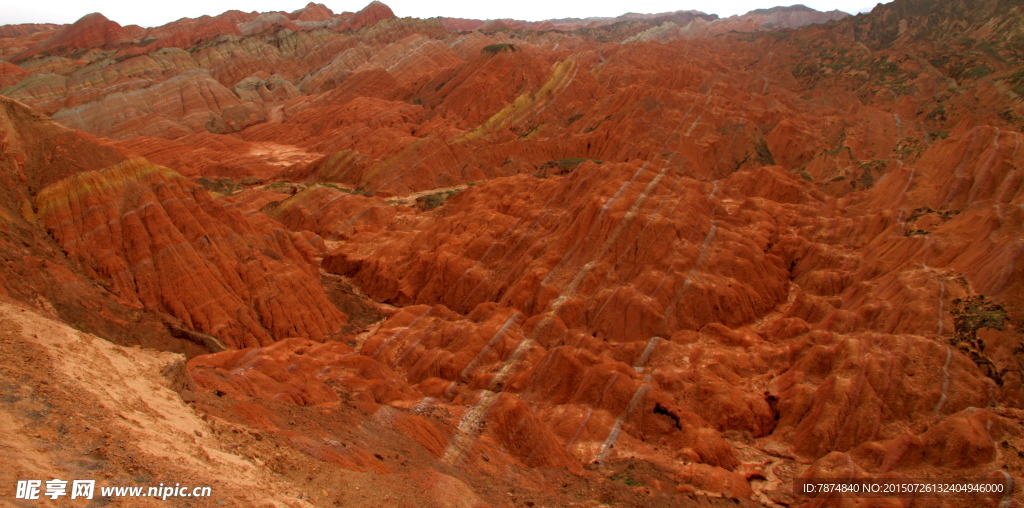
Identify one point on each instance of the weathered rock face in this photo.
(569, 260)
(11, 74)
(35, 152)
(162, 242)
(599, 255)
(187, 32)
(652, 258)
(177, 107)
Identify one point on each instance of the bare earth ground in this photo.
(77, 407)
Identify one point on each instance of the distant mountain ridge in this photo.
(313, 15)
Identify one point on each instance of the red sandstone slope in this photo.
(26, 29)
(188, 32)
(641, 262)
(373, 13)
(91, 31)
(860, 370)
(34, 153)
(162, 242)
(153, 240)
(231, 61)
(313, 12)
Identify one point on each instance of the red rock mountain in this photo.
(651, 260)
(92, 31)
(26, 29)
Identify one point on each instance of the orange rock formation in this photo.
(647, 260)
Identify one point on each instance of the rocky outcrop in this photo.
(570, 278)
(373, 13)
(313, 12)
(35, 153)
(187, 103)
(161, 242)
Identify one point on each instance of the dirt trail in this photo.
(282, 155)
(410, 199)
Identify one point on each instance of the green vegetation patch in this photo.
(909, 148)
(570, 162)
(1009, 116)
(945, 215)
(228, 186)
(626, 476)
(283, 186)
(335, 186)
(562, 166)
(978, 71)
(494, 49)
(970, 315)
(764, 154)
(1016, 82)
(431, 201)
(866, 180)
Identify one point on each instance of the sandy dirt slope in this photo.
(79, 407)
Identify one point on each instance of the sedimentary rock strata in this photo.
(648, 260)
